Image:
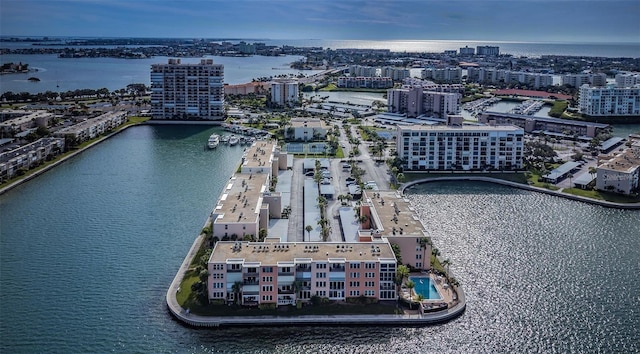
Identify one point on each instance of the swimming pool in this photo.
(425, 287)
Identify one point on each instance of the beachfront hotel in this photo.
(282, 273)
(460, 147)
(187, 91)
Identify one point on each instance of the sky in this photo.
(491, 20)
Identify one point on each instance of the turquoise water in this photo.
(88, 250)
(425, 287)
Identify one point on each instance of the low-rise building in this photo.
(306, 129)
(621, 173)
(94, 127)
(284, 92)
(365, 82)
(17, 120)
(282, 273)
(577, 80)
(28, 156)
(545, 125)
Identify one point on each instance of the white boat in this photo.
(213, 141)
(225, 138)
(233, 140)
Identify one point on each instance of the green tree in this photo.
(308, 228)
(410, 285)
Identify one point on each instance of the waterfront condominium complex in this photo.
(282, 273)
(187, 91)
(460, 148)
(414, 101)
(284, 93)
(609, 101)
(487, 50)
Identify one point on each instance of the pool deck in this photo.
(445, 290)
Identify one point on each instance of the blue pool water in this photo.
(425, 287)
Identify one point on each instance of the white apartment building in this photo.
(450, 75)
(621, 174)
(365, 82)
(467, 51)
(307, 129)
(28, 156)
(94, 127)
(362, 71)
(487, 50)
(284, 93)
(577, 80)
(494, 76)
(396, 74)
(187, 91)
(464, 148)
(414, 101)
(627, 79)
(609, 101)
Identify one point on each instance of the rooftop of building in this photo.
(463, 127)
(308, 122)
(290, 253)
(22, 116)
(241, 198)
(546, 119)
(394, 213)
(91, 122)
(626, 161)
(259, 154)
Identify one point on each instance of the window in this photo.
(321, 275)
(321, 284)
(321, 293)
(321, 265)
(370, 265)
(369, 275)
(369, 284)
(354, 265)
(419, 256)
(267, 288)
(369, 293)
(354, 284)
(354, 293)
(267, 297)
(267, 269)
(354, 275)
(267, 279)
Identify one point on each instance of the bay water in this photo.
(89, 249)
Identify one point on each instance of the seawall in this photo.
(525, 187)
(63, 159)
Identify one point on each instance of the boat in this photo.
(213, 141)
(233, 140)
(225, 139)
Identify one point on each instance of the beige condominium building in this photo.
(282, 273)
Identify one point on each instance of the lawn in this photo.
(601, 195)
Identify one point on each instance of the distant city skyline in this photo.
(484, 20)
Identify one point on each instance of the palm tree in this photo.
(410, 285)
(446, 264)
(308, 228)
(570, 176)
(593, 171)
(434, 254)
(236, 288)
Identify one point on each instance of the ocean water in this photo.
(89, 249)
(63, 74)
